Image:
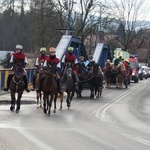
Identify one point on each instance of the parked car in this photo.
(141, 73)
(145, 71)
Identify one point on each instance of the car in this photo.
(141, 73)
(145, 71)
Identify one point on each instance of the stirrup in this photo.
(5, 89)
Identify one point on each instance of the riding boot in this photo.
(40, 84)
(8, 82)
(33, 80)
(26, 83)
(58, 86)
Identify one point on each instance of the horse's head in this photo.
(95, 68)
(19, 71)
(107, 64)
(41, 66)
(69, 72)
(81, 69)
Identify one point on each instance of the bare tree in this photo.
(129, 16)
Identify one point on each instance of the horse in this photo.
(16, 86)
(67, 84)
(50, 89)
(107, 72)
(97, 80)
(121, 75)
(37, 80)
(90, 79)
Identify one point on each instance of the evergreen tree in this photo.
(5, 61)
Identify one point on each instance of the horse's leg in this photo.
(55, 99)
(18, 101)
(50, 104)
(117, 80)
(40, 99)
(13, 99)
(71, 97)
(61, 101)
(37, 98)
(68, 99)
(45, 101)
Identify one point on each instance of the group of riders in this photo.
(69, 60)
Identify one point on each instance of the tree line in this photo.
(37, 23)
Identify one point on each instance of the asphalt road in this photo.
(119, 120)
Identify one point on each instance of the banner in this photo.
(124, 54)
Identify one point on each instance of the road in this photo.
(119, 120)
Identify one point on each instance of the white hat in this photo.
(19, 47)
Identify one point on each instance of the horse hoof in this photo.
(12, 108)
(68, 105)
(17, 110)
(45, 111)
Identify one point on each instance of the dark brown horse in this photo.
(50, 90)
(91, 80)
(16, 86)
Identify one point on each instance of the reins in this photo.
(17, 83)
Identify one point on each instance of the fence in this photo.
(5, 72)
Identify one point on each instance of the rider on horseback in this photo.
(39, 60)
(55, 62)
(90, 64)
(70, 59)
(18, 58)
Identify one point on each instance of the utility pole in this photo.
(100, 24)
(69, 15)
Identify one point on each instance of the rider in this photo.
(17, 58)
(53, 61)
(82, 61)
(90, 64)
(40, 59)
(71, 59)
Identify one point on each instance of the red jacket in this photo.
(42, 59)
(52, 61)
(70, 58)
(18, 58)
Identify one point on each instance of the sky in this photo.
(145, 6)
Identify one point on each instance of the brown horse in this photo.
(121, 76)
(37, 80)
(50, 90)
(16, 86)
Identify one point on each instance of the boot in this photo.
(26, 83)
(40, 84)
(33, 81)
(8, 82)
(58, 86)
